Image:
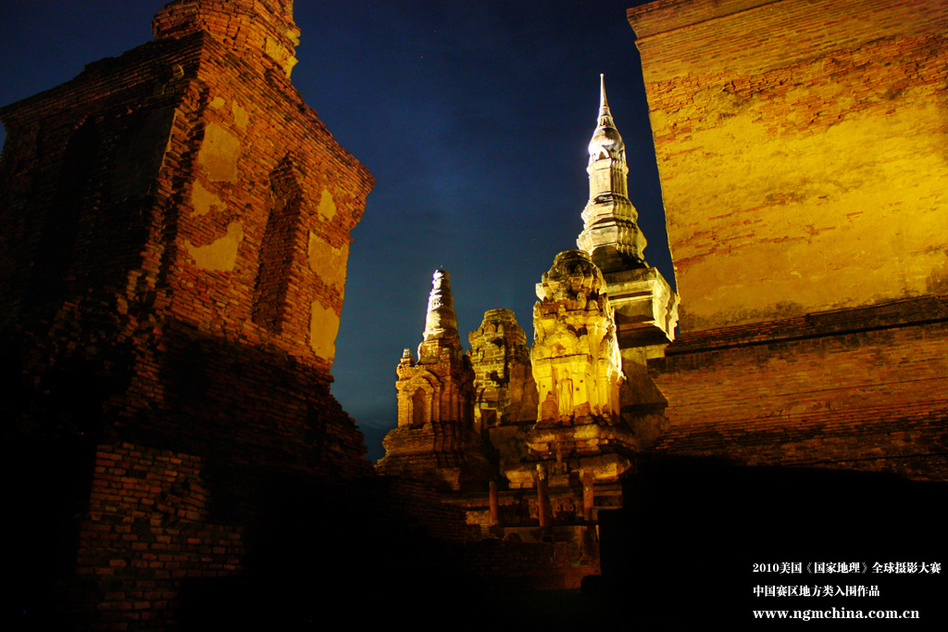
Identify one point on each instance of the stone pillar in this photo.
(589, 496)
(543, 497)
(494, 505)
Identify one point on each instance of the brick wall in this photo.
(145, 533)
(802, 392)
(171, 279)
(801, 151)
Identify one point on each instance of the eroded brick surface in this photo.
(800, 147)
(801, 392)
(173, 268)
(801, 151)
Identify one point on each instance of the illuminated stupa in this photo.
(554, 426)
(434, 440)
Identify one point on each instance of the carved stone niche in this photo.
(575, 354)
(578, 373)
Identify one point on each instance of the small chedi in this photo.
(435, 436)
(524, 437)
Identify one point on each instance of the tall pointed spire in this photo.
(441, 323)
(610, 234)
(606, 140)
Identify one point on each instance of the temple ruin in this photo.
(544, 435)
(176, 229)
(171, 283)
(801, 152)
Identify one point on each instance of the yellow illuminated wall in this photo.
(803, 152)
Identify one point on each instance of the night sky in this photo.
(473, 117)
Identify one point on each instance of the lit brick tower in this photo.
(505, 391)
(176, 229)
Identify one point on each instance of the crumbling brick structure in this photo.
(176, 228)
(435, 438)
(801, 150)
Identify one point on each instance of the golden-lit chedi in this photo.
(548, 431)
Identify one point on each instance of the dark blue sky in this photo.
(472, 115)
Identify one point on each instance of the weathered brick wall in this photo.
(801, 150)
(422, 508)
(152, 554)
(856, 389)
(145, 533)
(144, 278)
(172, 274)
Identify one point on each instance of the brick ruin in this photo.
(803, 175)
(172, 269)
(801, 153)
(533, 442)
